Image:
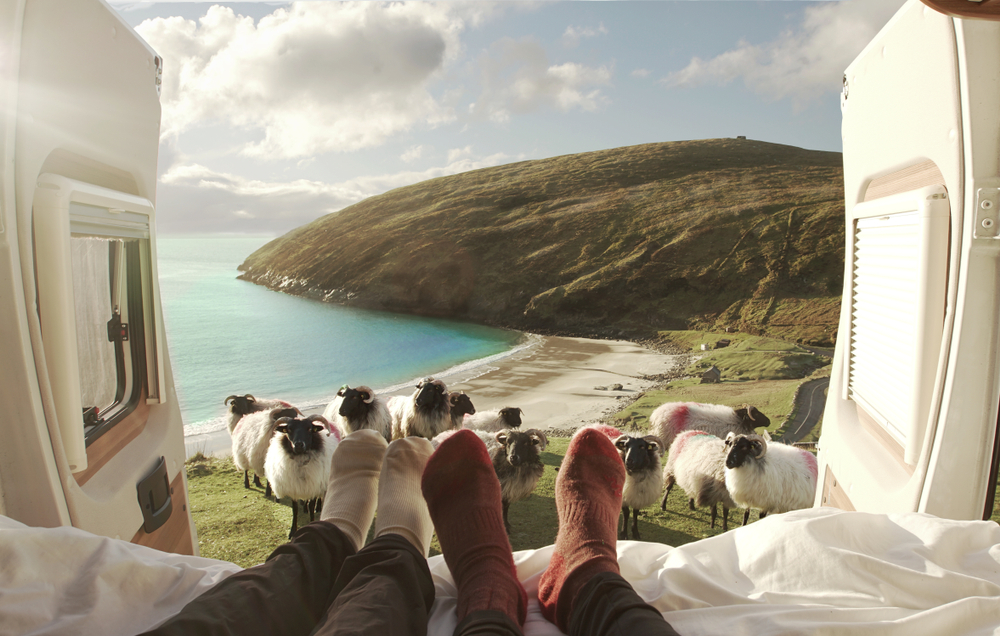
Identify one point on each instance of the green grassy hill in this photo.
(695, 234)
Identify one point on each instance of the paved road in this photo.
(811, 400)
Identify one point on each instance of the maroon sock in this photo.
(463, 497)
(588, 501)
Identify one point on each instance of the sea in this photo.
(227, 336)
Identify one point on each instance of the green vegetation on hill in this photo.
(694, 234)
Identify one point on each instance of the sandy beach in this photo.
(554, 381)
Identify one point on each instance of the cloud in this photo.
(802, 64)
(198, 199)
(640, 73)
(572, 36)
(310, 78)
(517, 77)
(412, 153)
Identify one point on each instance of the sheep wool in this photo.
(672, 418)
(776, 478)
(697, 463)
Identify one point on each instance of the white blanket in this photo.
(818, 571)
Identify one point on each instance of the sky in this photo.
(274, 114)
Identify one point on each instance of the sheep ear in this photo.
(653, 439)
(620, 442)
(282, 424)
(342, 390)
(228, 399)
(729, 438)
(501, 438)
(249, 398)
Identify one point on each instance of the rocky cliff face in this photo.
(619, 242)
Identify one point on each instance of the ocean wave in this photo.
(457, 374)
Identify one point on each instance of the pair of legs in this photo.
(321, 583)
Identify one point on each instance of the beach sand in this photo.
(553, 382)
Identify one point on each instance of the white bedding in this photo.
(818, 571)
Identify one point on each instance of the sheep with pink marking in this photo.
(769, 476)
(673, 418)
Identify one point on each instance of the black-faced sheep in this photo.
(494, 420)
(769, 476)
(240, 405)
(673, 418)
(358, 408)
(518, 466)
(697, 463)
(461, 405)
(251, 438)
(298, 462)
(424, 414)
(643, 479)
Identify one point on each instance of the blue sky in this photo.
(275, 114)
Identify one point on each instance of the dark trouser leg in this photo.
(385, 589)
(487, 623)
(284, 596)
(608, 606)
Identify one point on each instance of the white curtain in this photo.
(92, 295)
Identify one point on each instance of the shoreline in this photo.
(552, 380)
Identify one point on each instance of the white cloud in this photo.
(802, 64)
(310, 78)
(412, 153)
(572, 36)
(640, 73)
(195, 198)
(517, 77)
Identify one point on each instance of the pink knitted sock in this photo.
(588, 500)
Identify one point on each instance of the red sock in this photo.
(463, 497)
(588, 500)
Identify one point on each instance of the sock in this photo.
(401, 508)
(463, 496)
(588, 501)
(351, 496)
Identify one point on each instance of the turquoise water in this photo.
(229, 336)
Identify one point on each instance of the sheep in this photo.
(358, 408)
(424, 414)
(643, 479)
(250, 439)
(673, 418)
(516, 461)
(297, 464)
(697, 463)
(240, 405)
(461, 405)
(494, 420)
(769, 476)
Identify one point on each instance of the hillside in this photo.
(695, 234)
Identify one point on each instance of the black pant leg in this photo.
(608, 606)
(385, 589)
(488, 623)
(284, 596)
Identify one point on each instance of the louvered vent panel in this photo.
(886, 267)
(898, 281)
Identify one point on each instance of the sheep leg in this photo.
(246, 479)
(635, 524)
(506, 524)
(663, 505)
(268, 491)
(295, 517)
(725, 518)
(746, 516)
(256, 481)
(623, 531)
(691, 503)
(763, 513)
(715, 507)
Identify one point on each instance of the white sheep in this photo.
(424, 414)
(697, 463)
(769, 476)
(251, 437)
(673, 418)
(298, 462)
(358, 408)
(494, 420)
(517, 464)
(643, 479)
(240, 405)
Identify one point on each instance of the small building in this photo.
(712, 376)
(722, 344)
